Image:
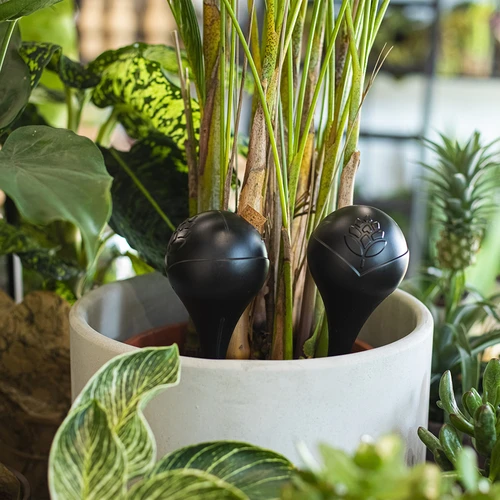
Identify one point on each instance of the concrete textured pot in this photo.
(274, 404)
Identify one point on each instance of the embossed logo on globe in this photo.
(181, 235)
(366, 239)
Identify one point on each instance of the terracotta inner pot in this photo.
(176, 334)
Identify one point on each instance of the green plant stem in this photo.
(222, 93)
(6, 41)
(267, 115)
(142, 189)
(231, 100)
(107, 128)
(297, 162)
(71, 109)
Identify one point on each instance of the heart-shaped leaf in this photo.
(14, 9)
(258, 473)
(185, 485)
(15, 86)
(54, 174)
(87, 460)
(123, 387)
(153, 164)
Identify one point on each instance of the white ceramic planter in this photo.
(274, 404)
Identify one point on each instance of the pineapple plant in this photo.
(460, 188)
(463, 189)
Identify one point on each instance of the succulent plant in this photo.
(479, 418)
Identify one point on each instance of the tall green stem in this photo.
(6, 41)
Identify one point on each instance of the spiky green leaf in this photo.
(54, 174)
(258, 473)
(87, 460)
(123, 387)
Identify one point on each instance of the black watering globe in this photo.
(216, 263)
(357, 256)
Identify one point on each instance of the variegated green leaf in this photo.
(40, 55)
(87, 460)
(123, 387)
(259, 473)
(154, 163)
(15, 9)
(54, 174)
(146, 101)
(185, 484)
(14, 240)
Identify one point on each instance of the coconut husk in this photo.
(35, 391)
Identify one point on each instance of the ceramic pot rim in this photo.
(423, 329)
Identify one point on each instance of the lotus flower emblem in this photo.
(181, 235)
(365, 239)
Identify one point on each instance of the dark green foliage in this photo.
(34, 255)
(15, 88)
(134, 217)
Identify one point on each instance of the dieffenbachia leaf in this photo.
(145, 99)
(13, 240)
(154, 164)
(258, 473)
(40, 55)
(123, 387)
(87, 460)
(15, 9)
(15, 86)
(54, 174)
(185, 484)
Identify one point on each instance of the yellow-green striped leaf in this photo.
(258, 473)
(123, 387)
(185, 484)
(87, 460)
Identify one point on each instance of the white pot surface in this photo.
(274, 404)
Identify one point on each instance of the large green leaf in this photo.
(15, 86)
(144, 98)
(123, 387)
(14, 9)
(14, 240)
(54, 174)
(258, 473)
(87, 460)
(153, 164)
(185, 485)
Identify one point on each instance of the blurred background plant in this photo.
(465, 189)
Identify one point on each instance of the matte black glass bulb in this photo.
(357, 256)
(216, 263)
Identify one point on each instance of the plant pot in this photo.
(176, 334)
(274, 404)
